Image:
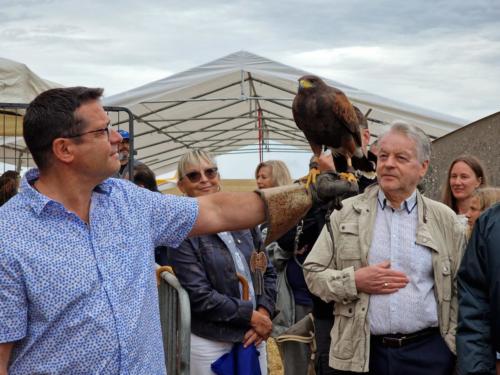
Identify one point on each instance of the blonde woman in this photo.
(272, 173)
(207, 268)
(481, 200)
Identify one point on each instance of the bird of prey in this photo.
(327, 118)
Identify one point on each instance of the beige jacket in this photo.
(438, 229)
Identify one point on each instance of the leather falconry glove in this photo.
(286, 205)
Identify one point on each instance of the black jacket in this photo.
(205, 268)
(478, 331)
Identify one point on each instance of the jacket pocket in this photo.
(447, 279)
(348, 246)
(342, 337)
(447, 286)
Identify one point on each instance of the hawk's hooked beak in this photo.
(305, 84)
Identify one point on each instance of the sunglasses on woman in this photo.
(195, 176)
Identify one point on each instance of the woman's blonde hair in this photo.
(280, 175)
(488, 196)
(478, 169)
(193, 157)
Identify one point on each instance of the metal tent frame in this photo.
(241, 104)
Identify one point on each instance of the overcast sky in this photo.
(440, 55)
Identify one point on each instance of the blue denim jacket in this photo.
(206, 270)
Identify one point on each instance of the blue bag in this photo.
(239, 361)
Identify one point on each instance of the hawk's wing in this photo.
(345, 112)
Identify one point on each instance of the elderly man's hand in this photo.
(252, 337)
(379, 279)
(261, 323)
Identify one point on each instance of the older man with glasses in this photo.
(390, 266)
(78, 294)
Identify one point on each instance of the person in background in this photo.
(482, 199)
(124, 155)
(364, 167)
(9, 185)
(144, 177)
(268, 174)
(465, 174)
(207, 267)
(272, 173)
(391, 268)
(478, 330)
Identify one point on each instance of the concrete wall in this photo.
(480, 138)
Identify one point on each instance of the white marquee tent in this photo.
(18, 85)
(242, 100)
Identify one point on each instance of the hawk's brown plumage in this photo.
(326, 117)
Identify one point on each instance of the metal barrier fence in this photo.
(14, 155)
(175, 316)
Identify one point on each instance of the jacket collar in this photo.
(368, 201)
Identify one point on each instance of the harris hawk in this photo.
(327, 118)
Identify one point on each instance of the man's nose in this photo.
(114, 136)
(389, 162)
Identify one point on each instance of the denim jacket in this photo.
(205, 268)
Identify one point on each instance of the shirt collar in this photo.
(38, 201)
(409, 204)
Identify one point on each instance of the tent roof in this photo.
(220, 106)
(18, 84)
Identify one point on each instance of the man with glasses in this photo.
(124, 155)
(76, 248)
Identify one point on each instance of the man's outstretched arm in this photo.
(227, 212)
(5, 349)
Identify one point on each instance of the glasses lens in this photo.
(194, 176)
(211, 172)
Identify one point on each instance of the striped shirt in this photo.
(413, 307)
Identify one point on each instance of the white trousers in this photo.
(205, 352)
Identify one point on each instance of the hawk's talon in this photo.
(348, 177)
(311, 177)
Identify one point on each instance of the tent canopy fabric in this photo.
(242, 100)
(18, 84)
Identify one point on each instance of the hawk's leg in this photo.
(349, 174)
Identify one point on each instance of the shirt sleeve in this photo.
(13, 301)
(172, 218)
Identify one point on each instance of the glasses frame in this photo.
(195, 176)
(107, 130)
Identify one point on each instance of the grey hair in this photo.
(422, 142)
(193, 157)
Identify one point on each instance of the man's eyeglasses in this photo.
(100, 131)
(195, 176)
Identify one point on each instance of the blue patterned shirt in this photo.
(81, 298)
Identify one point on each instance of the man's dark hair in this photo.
(143, 176)
(9, 183)
(52, 115)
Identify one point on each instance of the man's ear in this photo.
(423, 169)
(62, 148)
